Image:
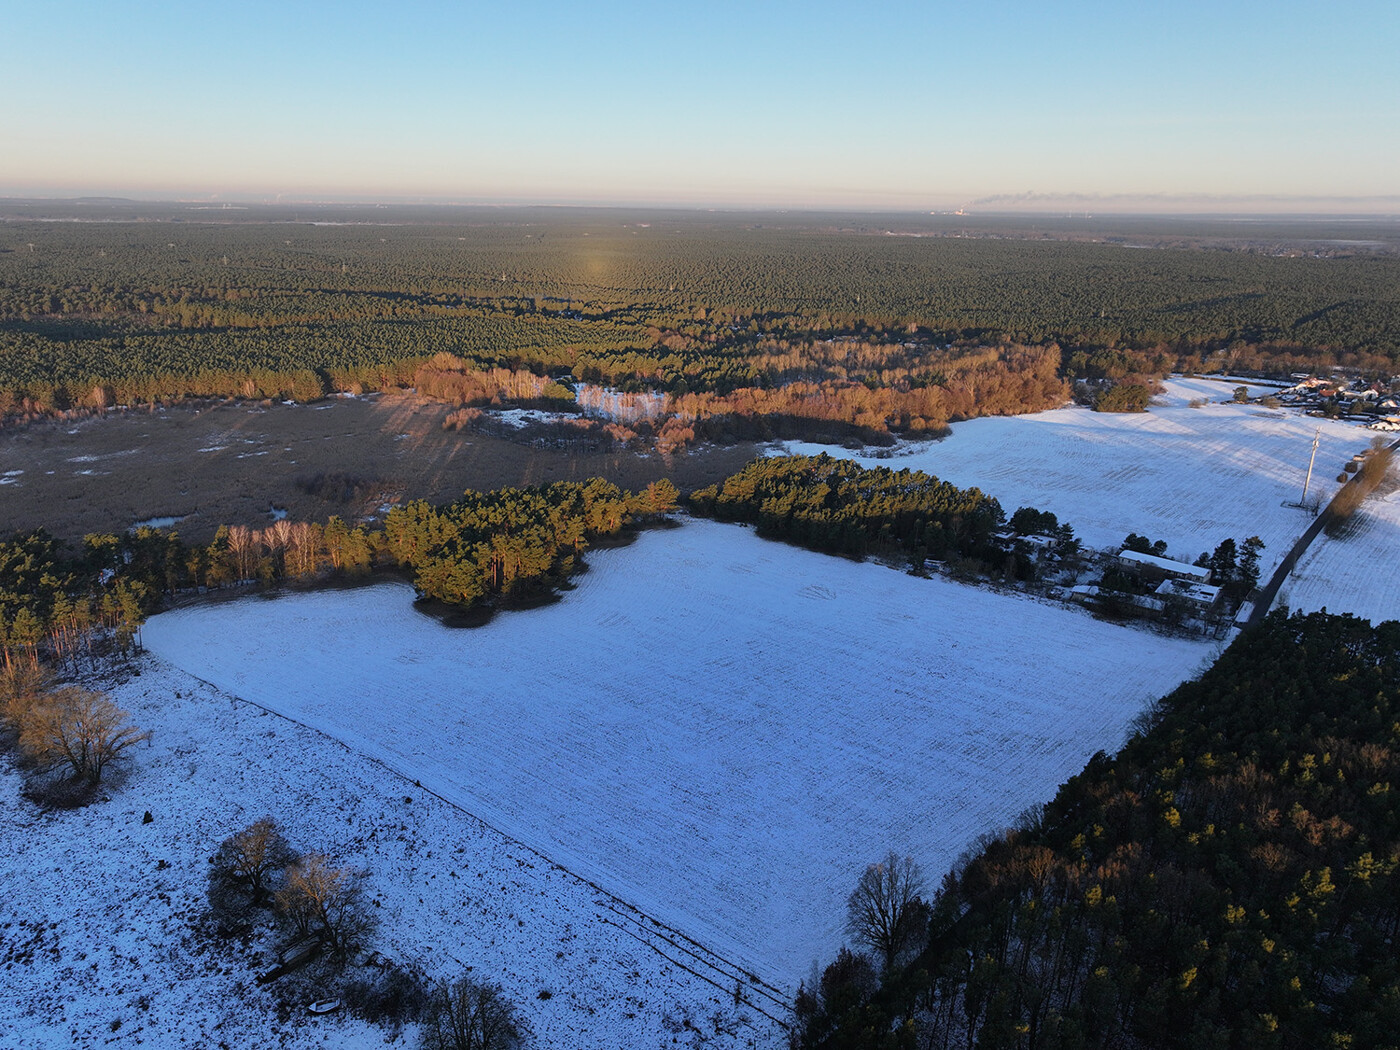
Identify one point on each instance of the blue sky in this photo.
(892, 105)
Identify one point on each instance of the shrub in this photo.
(22, 686)
(396, 995)
(77, 728)
(1123, 397)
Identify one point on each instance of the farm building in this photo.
(1151, 568)
(1201, 596)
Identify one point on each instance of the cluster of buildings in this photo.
(1162, 588)
(1373, 404)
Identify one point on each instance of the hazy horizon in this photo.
(1029, 205)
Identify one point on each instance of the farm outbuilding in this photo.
(1151, 568)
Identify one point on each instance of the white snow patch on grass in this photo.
(162, 522)
(720, 730)
(519, 418)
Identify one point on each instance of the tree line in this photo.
(483, 548)
(93, 315)
(837, 506)
(1230, 879)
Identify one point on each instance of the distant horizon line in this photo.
(1029, 203)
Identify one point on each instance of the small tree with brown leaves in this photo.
(245, 863)
(325, 902)
(22, 686)
(78, 728)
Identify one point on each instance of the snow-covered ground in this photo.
(718, 729)
(1190, 476)
(519, 418)
(1357, 572)
(96, 907)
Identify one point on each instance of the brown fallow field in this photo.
(245, 462)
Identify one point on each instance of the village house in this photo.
(1149, 568)
(1199, 597)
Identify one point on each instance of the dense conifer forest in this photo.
(835, 505)
(1228, 880)
(730, 316)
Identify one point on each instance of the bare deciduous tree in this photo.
(303, 549)
(325, 902)
(247, 858)
(883, 909)
(244, 544)
(465, 1015)
(80, 728)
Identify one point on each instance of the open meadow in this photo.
(1189, 476)
(718, 729)
(104, 939)
(209, 464)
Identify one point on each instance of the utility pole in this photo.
(1317, 436)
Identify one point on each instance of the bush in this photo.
(47, 793)
(396, 995)
(22, 685)
(1123, 397)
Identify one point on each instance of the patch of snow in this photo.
(159, 523)
(105, 455)
(1191, 477)
(1182, 390)
(518, 418)
(718, 729)
(277, 513)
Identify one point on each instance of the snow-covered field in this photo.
(712, 732)
(96, 907)
(1190, 476)
(718, 729)
(1358, 572)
